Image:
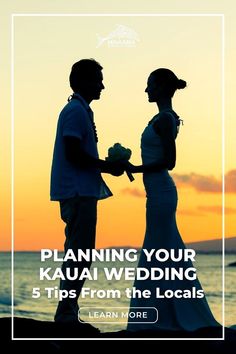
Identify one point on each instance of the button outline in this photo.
(119, 307)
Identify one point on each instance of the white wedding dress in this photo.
(162, 233)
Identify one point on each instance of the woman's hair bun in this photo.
(181, 84)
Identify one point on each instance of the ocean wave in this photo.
(6, 300)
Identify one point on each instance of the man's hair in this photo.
(84, 69)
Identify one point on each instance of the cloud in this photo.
(191, 212)
(135, 192)
(230, 182)
(201, 183)
(206, 209)
(209, 184)
(216, 209)
(203, 210)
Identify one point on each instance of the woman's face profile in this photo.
(153, 89)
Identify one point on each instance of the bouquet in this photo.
(119, 153)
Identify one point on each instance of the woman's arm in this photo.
(167, 131)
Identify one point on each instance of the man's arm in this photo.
(77, 156)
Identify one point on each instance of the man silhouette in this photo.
(76, 180)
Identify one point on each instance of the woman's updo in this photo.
(168, 80)
(181, 84)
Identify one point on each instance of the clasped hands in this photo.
(117, 168)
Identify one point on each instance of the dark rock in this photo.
(56, 335)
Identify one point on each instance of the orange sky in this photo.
(121, 219)
(42, 60)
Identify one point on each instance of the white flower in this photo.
(119, 153)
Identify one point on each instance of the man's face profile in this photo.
(93, 86)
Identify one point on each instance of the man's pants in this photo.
(80, 216)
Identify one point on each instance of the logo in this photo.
(122, 36)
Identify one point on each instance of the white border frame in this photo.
(223, 162)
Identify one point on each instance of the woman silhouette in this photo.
(158, 156)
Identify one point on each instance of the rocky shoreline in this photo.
(50, 337)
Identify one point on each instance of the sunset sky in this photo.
(45, 47)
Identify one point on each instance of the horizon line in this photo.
(137, 247)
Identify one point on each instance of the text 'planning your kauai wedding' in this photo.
(165, 270)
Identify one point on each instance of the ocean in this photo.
(26, 277)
